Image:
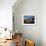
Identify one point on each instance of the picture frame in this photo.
(28, 20)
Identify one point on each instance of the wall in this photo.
(6, 13)
(43, 22)
(32, 32)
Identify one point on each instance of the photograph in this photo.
(22, 22)
(29, 19)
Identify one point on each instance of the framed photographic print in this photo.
(28, 20)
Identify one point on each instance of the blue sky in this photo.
(28, 17)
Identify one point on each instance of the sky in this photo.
(28, 17)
